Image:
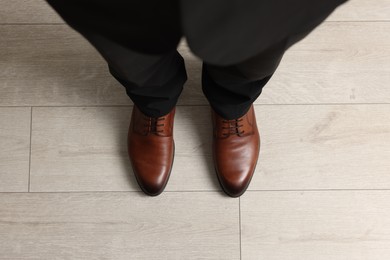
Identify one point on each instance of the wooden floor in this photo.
(321, 188)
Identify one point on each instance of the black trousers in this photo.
(155, 82)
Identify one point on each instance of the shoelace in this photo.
(153, 124)
(233, 126)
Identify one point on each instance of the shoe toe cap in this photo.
(235, 162)
(235, 184)
(151, 161)
(152, 180)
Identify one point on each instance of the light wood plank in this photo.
(27, 11)
(327, 225)
(323, 147)
(118, 226)
(303, 147)
(53, 65)
(362, 10)
(38, 11)
(337, 63)
(14, 148)
(84, 149)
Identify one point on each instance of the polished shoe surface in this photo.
(151, 149)
(236, 147)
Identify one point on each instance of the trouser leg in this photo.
(232, 89)
(152, 82)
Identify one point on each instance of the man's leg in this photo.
(231, 90)
(153, 82)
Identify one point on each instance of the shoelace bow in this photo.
(233, 126)
(153, 126)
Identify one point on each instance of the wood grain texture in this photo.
(14, 148)
(321, 187)
(323, 147)
(362, 10)
(336, 63)
(27, 11)
(303, 147)
(38, 11)
(53, 66)
(118, 226)
(84, 149)
(319, 225)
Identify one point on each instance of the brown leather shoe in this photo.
(236, 147)
(151, 149)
